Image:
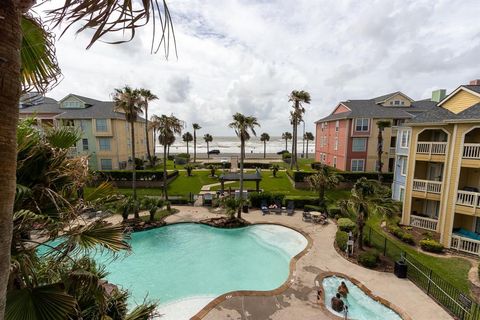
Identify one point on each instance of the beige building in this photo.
(105, 134)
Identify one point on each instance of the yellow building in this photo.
(105, 134)
(442, 191)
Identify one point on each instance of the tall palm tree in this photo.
(286, 136)
(154, 125)
(243, 125)
(325, 178)
(298, 97)
(170, 141)
(196, 127)
(382, 124)
(208, 138)
(27, 53)
(308, 136)
(187, 137)
(129, 102)
(147, 96)
(264, 137)
(169, 126)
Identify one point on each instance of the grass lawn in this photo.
(303, 164)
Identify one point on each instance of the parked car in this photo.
(214, 151)
(282, 152)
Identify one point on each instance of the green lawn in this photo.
(303, 164)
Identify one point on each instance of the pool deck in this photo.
(299, 301)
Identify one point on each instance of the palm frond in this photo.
(102, 191)
(98, 234)
(144, 311)
(62, 137)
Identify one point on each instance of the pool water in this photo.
(195, 263)
(360, 305)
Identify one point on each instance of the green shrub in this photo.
(333, 212)
(126, 175)
(400, 234)
(345, 224)
(183, 155)
(309, 207)
(431, 245)
(255, 165)
(256, 198)
(299, 176)
(341, 238)
(286, 155)
(302, 201)
(368, 259)
(180, 160)
(408, 238)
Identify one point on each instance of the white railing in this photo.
(471, 150)
(431, 147)
(423, 222)
(465, 244)
(427, 186)
(392, 150)
(468, 198)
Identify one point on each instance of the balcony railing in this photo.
(468, 198)
(423, 222)
(471, 151)
(465, 244)
(427, 186)
(437, 148)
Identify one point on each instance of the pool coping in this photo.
(367, 291)
(212, 304)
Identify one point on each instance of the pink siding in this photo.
(328, 149)
(340, 108)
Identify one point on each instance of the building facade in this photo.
(105, 134)
(442, 185)
(347, 138)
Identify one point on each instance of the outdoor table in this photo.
(316, 216)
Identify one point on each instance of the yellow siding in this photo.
(399, 97)
(460, 101)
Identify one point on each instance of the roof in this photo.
(236, 176)
(475, 88)
(442, 115)
(370, 108)
(95, 109)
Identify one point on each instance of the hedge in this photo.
(254, 165)
(345, 224)
(301, 201)
(256, 198)
(368, 259)
(341, 238)
(126, 175)
(401, 234)
(219, 165)
(299, 176)
(431, 245)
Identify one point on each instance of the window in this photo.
(68, 123)
(104, 144)
(361, 124)
(335, 147)
(85, 144)
(337, 125)
(334, 162)
(359, 144)
(405, 138)
(402, 193)
(106, 164)
(403, 164)
(358, 165)
(322, 125)
(71, 104)
(398, 122)
(101, 125)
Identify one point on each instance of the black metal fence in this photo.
(458, 303)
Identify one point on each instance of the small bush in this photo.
(180, 160)
(286, 155)
(309, 207)
(408, 238)
(345, 224)
(368, 259)
(333, 212)
(183, 155)
(431, 245)
(256, 198)
(302, 201)
(400, 234)
(341, 238)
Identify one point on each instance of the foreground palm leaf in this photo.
(98, 234)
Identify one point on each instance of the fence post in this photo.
(385, 247)
(429, 281)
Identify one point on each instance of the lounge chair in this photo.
(290, 208)
(264, 207)
(278, 209)
(306, 216)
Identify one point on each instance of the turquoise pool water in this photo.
(183, 261)
(360, 305)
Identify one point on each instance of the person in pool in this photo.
(342, 289)
(337, 303)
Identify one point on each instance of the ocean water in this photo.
(231, 145)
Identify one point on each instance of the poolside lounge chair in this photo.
(264, 207)
(290, 208)
(306, 216)
(278, 205)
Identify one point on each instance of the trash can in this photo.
(400, 269)
(245, 209)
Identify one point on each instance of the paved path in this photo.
(299, 301)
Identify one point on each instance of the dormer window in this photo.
(72, 105)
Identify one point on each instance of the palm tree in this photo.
(381, 126)
(264, 137)
(169, 126)
(128, 101)
(296, 116)
(325, 178)
(196, 127)
(27, 53)
(170, 141)
(243, 125)
(154, 125)
(187, 137)
(286, 136)
(308, 136)
(147, 96)
(208, 138)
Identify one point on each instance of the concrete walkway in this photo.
(299, 301)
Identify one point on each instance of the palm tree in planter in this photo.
(382, 124)
(325, 178)
(308, 137)
(196, 127)
(286, 136)
(147, 96)
(152, 204)
(264, 137)
(275, 168)
(187, 137)
(129, 102)
(243, 126)
(298, 97)
(208, 138)
(169, 126)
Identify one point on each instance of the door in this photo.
(431, 208)
(435, 171)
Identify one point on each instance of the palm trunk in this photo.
(168, 151)
(154, 142)
(264, 149)
(134, 170)
(360, 225)
(165, 172)
(149, 155)
(188, 152)
(379, 154)
(194, 146)
(321, 195)
(208, 150)
(306, 153)
(10, 43)
(286, 144)
(242, 155)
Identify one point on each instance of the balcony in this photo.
(432, 145)
(427, 186)
(465, 244)
(432, 148)
(423, 222)
(471, 151)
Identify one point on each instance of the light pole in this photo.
(303, 140)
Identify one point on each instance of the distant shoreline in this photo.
(257, 155)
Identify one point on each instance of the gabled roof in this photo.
(385, 97)
(473, 89)
(442, 116)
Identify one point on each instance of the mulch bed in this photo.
(225, 222)
(140, 225)
(384, 265)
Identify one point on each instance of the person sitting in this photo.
(337, 303)
(273, 206)
(342, 289)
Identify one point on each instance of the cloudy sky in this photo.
(247, 55)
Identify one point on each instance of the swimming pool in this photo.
(185, 266)
(360, 305)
